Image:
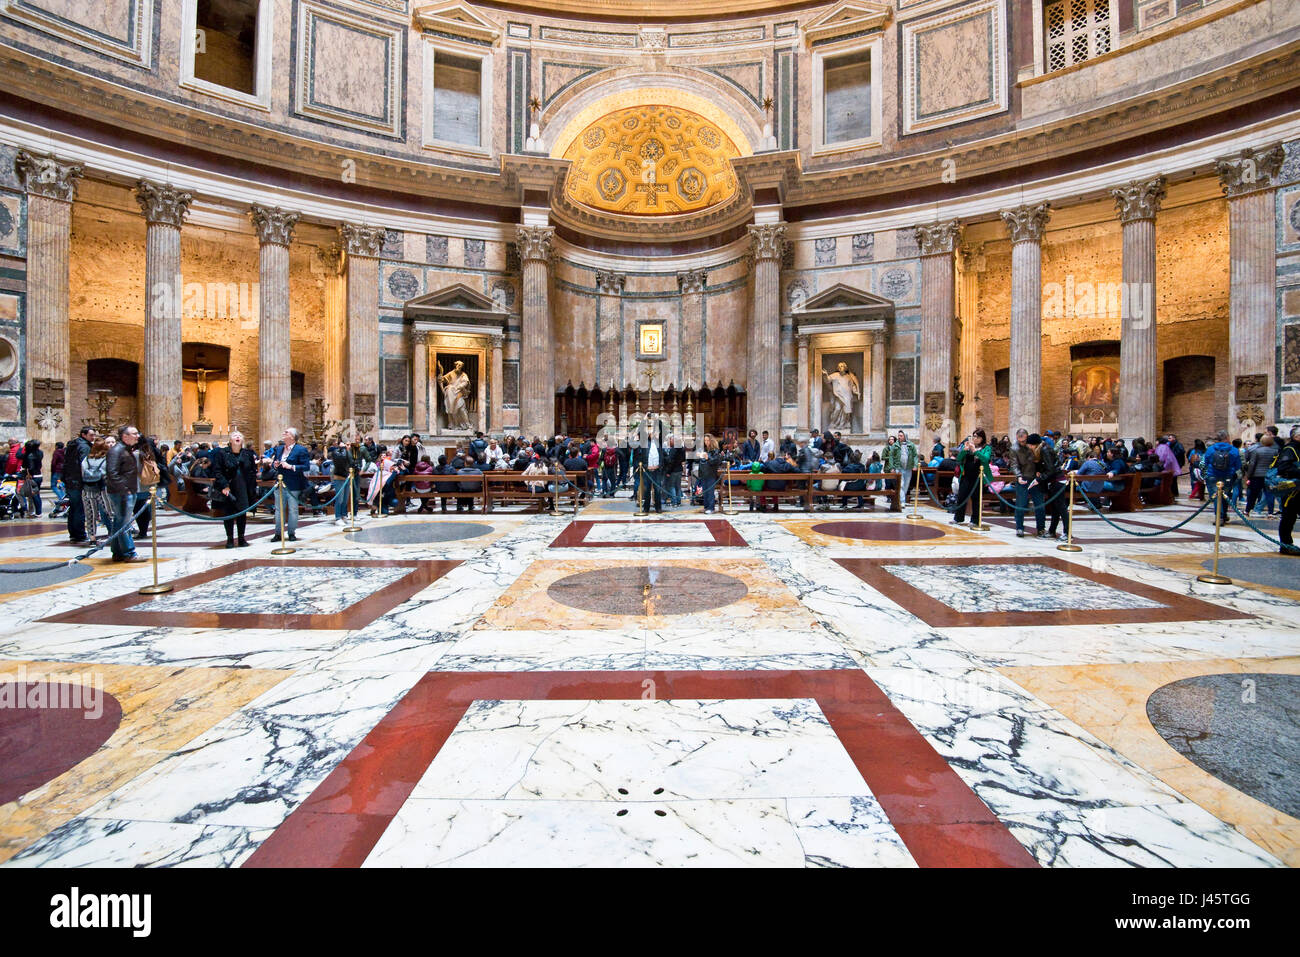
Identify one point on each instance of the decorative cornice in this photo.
(938, 239)
(274, 225)
(769, 241)
(535, 243)
(47, 176)
(1027, 223)
(1250, 170)
(610, 283)
(692, 280)
(360, 240)
(162, 203)
(458, 20)
(1140, 200)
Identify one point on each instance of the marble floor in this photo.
(824, 689)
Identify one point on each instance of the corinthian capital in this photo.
(936, 239)
(769, 241)
(1027, 223)
(365, 241)
(1139, 200)
(610, 283)
(534, 243)
(1250, 170)
(692, 280)
(274, 225)
(162, 203)
(46, 176)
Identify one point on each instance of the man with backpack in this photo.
(1222, 462)
(1284, 479)
(74, 456)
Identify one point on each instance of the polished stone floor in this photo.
(771, 690)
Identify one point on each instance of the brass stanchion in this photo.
(155, 588)
(352, 525)
(280, 502)
(731, 502)
(1069, 545)
(555, 503)
(1214, 578)
(978, 511)
(916, 499)
(641, 509)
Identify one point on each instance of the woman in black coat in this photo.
(234, 470)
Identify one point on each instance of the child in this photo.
(1195, 466)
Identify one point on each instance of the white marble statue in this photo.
(845, 389)
(455, 387)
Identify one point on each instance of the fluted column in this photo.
(764, 386)
(1249, 180)
(878, 400)
(497, 384)
(691, 368)
(1027, 225)
(937, 242)
(361, 245)
(51, 187)
(420, 381)
(609, 325)
(334, 301)
(164, 209)
(968, 308)
(274, 232)
(805, 400)
(536, 353)
(1138, 204)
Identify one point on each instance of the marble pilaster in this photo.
(1249, 180)
(1137, 204)
(938, 243)
(420, 381)
(805, 411)
(690, 368)
(51, 186)
(497, 384)
(879, 398)
(1027, 225)
(335, 309)
(274, 234)
(164, 209)
(764, 386)
(361, 245)
(536, 353)
(609, 323)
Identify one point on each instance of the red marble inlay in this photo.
(47, 728)
(939, 818)
(722, 534)
(879, 531)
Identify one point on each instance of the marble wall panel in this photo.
(118, 28)
(349, 70)
(954, 66)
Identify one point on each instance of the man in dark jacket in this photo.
(290, 461)
(122, 480)
(649, 467)
(1288, 467)
(1033, 468)
(76, 451)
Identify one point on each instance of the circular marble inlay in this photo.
(47, 728)
(1279, 571)
(1242, 728)
(647, 589)
(420, 533)
(16, 582)
(879, 531)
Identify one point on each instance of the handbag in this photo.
(149, 474)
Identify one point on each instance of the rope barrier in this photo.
(939, 504)
(1027, 508)
(1255, 528)
(50, 566)
(1127, 531)
(221, 518)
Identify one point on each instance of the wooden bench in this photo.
(512, 488)
(1127, 499)
(803, 486)
(404, 490)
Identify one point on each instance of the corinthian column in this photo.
(51, 187)
(938, 242)
(361, 245)
(1027, 225)
(334, 301)
(1249, 180)
(275, 232)
(164, 209)
(691, 355)
(878, 402)
(1138, 204)
(536, 355)
(764, 388)
(420, 380)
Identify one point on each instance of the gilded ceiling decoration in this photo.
(651, 160)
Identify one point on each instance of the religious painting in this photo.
(842, 391)
(1291, 353)
(457, 378)
(650, 341)
(1094, 394)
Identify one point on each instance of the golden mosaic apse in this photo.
(651, 160)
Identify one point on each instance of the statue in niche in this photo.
(456, 389)
(845, 389)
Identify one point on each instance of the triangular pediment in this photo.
(455, 298)
(842, 298)
(457, 19)
(852, 16)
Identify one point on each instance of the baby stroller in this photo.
(11, 502)
(61, 503)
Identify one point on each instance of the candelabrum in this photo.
(103, 405)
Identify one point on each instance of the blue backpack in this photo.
(1274, 482)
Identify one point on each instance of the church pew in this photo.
(511, 487)
(801, 486)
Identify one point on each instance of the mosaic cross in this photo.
(652, 189)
